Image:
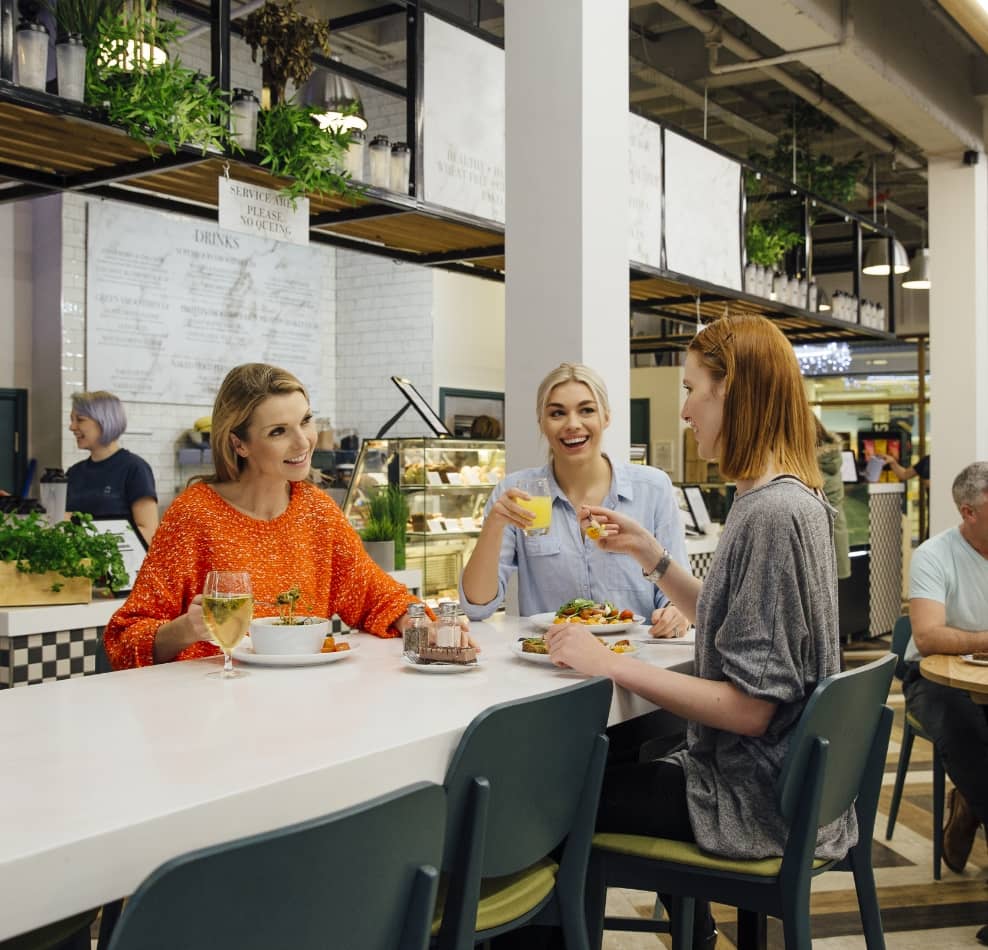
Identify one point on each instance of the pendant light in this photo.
(876, 262)
(918, 277)
(336, 98)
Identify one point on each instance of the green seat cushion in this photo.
(915, 723)
(684, 852)
(51, 935)
(503, 899)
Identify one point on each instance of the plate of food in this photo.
(536, 650)
(978, 659)
(341, 649)
(431, 666)
(597, 616)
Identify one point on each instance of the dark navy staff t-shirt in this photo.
(109, 488)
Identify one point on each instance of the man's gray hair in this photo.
(971, 486)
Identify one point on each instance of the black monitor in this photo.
(414, 398)
(697, 507)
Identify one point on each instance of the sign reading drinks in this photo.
(462, 122)
(173, 303)
(263, 212)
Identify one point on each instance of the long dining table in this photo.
(105, 777)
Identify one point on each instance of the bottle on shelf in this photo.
(750, 272)
(243, 118)
(380, 161)
(814, 295)
(399, 168)
(353, 160)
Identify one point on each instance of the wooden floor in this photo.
(918, 912)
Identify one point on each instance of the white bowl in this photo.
(270, 635)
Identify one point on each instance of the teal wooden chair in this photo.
(912, 727)
(522, 791)
(836, 757)
(364, 878)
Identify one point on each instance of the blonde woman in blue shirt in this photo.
(573, 410)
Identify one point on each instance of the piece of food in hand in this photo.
(595, 530)
(534, 645)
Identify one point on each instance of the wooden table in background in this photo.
(953, 671)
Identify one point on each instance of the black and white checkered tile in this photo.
(43, 657)
(700, 564)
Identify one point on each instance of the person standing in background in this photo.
(828, 457)
(112, 482)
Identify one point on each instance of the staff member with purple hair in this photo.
(112, 482)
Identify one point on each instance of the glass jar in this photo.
(380, 161)
(448, 628)
(70, 62)
(32, 54)
(416, 634)
(400, 161)
(353, 160)
(243, 119)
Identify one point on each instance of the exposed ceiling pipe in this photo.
(709, 27)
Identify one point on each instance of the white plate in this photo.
(969, 658)
(545, 659)
(545, 621)
(687, 639)
(245, 654)
(440, 667)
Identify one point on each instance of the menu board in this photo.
(702, 212)
(173, 303)
(644, 191)
(462, 121)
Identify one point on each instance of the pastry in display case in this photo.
(446, 482)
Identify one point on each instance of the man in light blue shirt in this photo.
(948, 608)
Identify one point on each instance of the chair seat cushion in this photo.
(503, 899)
(684, 852)
(916, 725)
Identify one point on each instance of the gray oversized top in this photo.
(766, 622)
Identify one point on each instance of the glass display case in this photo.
(447, 483)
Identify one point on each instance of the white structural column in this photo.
(566, 207)
(958, 326)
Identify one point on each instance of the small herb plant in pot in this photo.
(289, 632)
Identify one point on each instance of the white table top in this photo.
(105, 777)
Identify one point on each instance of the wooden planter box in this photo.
(21, 590)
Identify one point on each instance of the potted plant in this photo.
(42, 563)
(379, 542)
(288, 631)
(387, 519)
(286, 39)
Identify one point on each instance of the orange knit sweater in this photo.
(311, 545)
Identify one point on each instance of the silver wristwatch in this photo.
(658, 572)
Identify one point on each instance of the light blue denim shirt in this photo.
(564, 564)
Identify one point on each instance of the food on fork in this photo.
(580, 610)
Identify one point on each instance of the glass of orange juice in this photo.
(540, 504)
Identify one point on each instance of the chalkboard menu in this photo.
(172, 303)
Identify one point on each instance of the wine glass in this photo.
(227, 606)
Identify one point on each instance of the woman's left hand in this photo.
(668, 622)
(572, 645)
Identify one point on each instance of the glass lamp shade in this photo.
(918, 277)
(337, 100)
(822, 301)
(876, 262)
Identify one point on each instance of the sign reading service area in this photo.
(263, 212)
(173, 303)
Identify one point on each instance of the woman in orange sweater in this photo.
(256, 514)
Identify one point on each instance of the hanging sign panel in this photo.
(702, 212)
(263, 212)
(644, 191)
(462, 122)
(173, 303)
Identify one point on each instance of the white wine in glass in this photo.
(227, 606)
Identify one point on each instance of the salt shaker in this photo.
(416, 634)
(448, 630)
(380, 161)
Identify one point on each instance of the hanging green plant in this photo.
(163, 104)
(286, 40)
(292, 145)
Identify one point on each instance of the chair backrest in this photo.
(902, 631)
(842, 716)
(535, 754)
(365, 877)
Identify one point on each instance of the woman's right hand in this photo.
(506, 511)
(196, 624)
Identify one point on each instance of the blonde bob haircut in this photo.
(572, 373)
(766, 414)
(243, 389)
